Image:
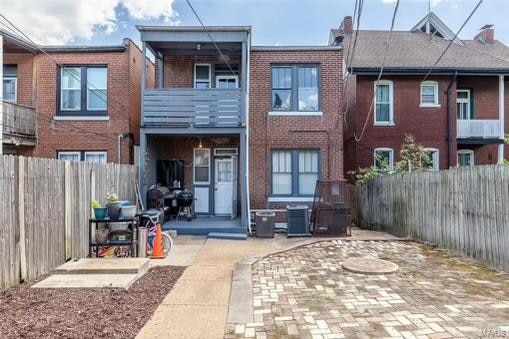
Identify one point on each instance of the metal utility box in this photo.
(265, 222)
(298, 221)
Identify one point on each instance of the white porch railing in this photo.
(484, 129)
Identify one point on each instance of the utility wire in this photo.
(210, 37)
(356, 32)
(359, 138)
(452, 40)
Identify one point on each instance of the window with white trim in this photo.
(384, 102)
(10, 89)
(96, 157)
(429, 94)
(383, 158)
(466, 157)
(295, 172)
(69, 156)
(433, 161)
(202, 75)
(201, 166)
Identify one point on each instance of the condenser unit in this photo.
(298, 221)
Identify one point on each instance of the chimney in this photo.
(486, 35)
(347, 25)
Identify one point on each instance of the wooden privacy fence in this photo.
(464, 209)
(45, 205)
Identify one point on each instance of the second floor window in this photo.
(295, 88)
(429, 94)
(83, 90)
(384, 103)
(10, 84)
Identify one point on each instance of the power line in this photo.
(350, 40)
(359, 14)
(357, 139)
(452, 40)
(210, 37)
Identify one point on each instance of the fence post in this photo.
(67, 210)
(21, 217)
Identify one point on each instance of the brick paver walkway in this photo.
(304, 293)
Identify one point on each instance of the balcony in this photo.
(18, 124)
(189, 107)
(479, 129)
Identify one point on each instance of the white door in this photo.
(463, 104)
(227, 81)
(223, 189)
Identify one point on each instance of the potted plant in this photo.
(99, 211)
(113, 206)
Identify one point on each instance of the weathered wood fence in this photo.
(45, 205)
(464, 209)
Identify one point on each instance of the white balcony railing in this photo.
(483, 129)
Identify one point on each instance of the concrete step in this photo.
(88, 281)
(201, 230)
(224, 235)
(136, 266)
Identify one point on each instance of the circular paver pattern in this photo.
(369, 266)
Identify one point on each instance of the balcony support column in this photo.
(501, 116)
(143, 77)
(1, 94)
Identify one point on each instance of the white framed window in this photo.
(466, 157)
(97, 88)
(10, 89)
(226, 151)
(383, 157)
(227, 81)
(429, 94)
(434, 157)
(201, 166)
(96, 157)
(69, 156)
(464, 104)
(384, 103)
(70, 89)
(202, 75)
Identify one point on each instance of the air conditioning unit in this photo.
(298, 221)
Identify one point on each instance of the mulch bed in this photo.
(84, 313)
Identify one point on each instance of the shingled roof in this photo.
(415, 52)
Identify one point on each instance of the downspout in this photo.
(120, 137)
(449, 126)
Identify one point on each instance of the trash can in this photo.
(265, 224)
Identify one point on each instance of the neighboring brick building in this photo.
(455, 111)
(76, 112)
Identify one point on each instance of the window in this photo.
(97, 89)
(10, 89)
(202, 76)
(201, 166)
(295, 88)
(227, 81)
(383, 159)
(434, 159)
(83, 91)
(429, 94)
(96, 157)
(384, 106)
(465, 157)
(464, 104)
(294, 172)
(69, 156)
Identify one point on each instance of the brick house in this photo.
(71, 102)
(249, 128)
(457, 112)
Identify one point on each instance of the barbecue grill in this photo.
(185, 201)
(158, 198)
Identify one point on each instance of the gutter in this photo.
(449, 127)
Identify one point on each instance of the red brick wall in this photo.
(54, 136)
(25, 63)
(276, 132)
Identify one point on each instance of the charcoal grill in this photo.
(185, 200)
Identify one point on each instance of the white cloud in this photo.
(61, 21)
(433, 2)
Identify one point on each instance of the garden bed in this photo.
(84, 313)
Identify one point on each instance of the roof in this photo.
(294, 48)
(193, 28)
(416, 51)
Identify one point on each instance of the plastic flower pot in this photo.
(100, 213)
(114, 210)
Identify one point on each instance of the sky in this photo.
(274, 22)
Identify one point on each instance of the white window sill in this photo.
(384, 124)
(295, 113)
(290, 199)
(81, 118)
(430, 106)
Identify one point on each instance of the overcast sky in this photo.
(274, 22)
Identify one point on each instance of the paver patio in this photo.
(304, 293)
